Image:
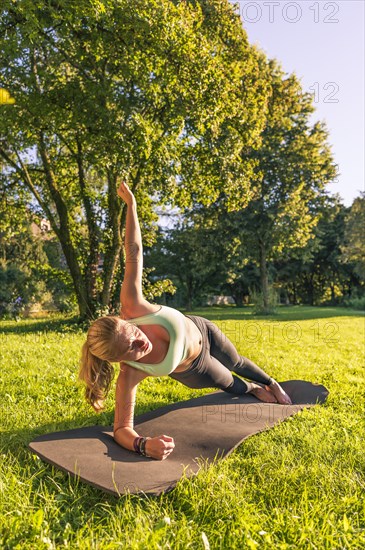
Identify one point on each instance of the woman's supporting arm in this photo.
(124, 433)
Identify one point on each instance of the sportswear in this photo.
(174, 322)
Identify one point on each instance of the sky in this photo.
(322, 42)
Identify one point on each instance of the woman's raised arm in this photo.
(133, 304)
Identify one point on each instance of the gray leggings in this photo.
(218, 359)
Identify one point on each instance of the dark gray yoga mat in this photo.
(207, 427)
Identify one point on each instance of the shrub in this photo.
(257, 298)
(355, 303)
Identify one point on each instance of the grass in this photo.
(298, 485)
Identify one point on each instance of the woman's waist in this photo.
(194, 345)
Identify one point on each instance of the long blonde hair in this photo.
(105, 342)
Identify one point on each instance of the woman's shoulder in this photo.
(139, 309)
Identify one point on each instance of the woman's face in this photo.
(138, 344)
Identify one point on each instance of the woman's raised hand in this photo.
(160, 447)
(125, 193)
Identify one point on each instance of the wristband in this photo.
(136, 444)
(142, 446)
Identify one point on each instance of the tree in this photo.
(294, 164)
(315, 273)
(155, 91)
(191, 256)
(20, 255)
(353, 246)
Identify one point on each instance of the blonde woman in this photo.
(152, 340)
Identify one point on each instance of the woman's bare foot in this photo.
(263, 393)
(282, 397)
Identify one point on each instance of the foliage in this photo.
(157, 287)
(353, 248)
(166, 95)
(356, 300)
(30, 266)
(316, 274)
(293, 164)
(259, 307)
(192, 255)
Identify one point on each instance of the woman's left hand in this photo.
(279, 393)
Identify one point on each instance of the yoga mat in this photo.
(207, 427)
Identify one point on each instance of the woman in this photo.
(188, 348)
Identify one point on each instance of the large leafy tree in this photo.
(294, 165)
(166, 94)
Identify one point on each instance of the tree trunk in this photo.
(64, 234)
(112, 254)
(93, 241)
(294, 294)
(263, 276)
(190, 295)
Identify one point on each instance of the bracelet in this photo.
(136, 444)
(139, 445)
(142, 446)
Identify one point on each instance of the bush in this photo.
(257, 298)
(356, 300)
(355, 303)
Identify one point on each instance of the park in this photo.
(160, 171)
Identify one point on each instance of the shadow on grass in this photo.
(16, 441)
(233, 313)
(59, 324)
(283, 313)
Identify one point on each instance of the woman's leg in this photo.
(222, 349)
(211, 374)
(208, 371)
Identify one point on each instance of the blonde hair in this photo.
(105, 342)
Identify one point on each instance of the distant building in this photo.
(42, 230)
(220, 300)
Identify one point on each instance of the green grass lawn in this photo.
(298, 485)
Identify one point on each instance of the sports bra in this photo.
(174, 322)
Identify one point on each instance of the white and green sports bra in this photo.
(174, 322)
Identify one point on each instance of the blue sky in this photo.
(323, 43)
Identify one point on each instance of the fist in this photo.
(160, 447)
(125, 193)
